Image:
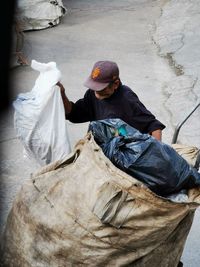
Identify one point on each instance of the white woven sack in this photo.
(39, 117)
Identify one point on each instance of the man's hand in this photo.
(157, 134)
(67, 104)
(62, 89)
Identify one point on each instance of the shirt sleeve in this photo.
(143, 118)
(81, 110)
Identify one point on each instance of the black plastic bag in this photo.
(154, 163)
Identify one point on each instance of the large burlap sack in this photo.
(39, 14)
(83, 211)
(189, 153)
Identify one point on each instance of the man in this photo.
(108, 98)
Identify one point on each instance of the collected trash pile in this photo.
(154, 163)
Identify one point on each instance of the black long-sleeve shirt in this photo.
(123, 104)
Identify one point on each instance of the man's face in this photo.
(107, 91)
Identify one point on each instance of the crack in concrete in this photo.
(192, 88)
(177, 68)
(166, 94)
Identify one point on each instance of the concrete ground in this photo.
(154, 53)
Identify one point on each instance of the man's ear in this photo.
(116, 84)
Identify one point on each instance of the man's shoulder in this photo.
(127, 91)
(89, 93)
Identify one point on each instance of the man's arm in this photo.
(157, 134)
(67, 104)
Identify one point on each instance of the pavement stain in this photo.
(178, 69)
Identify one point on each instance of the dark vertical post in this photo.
(6, 22)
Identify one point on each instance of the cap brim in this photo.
(96, 86)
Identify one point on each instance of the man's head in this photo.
(104, 79)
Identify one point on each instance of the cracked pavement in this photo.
(177, 38)
(154, 42)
